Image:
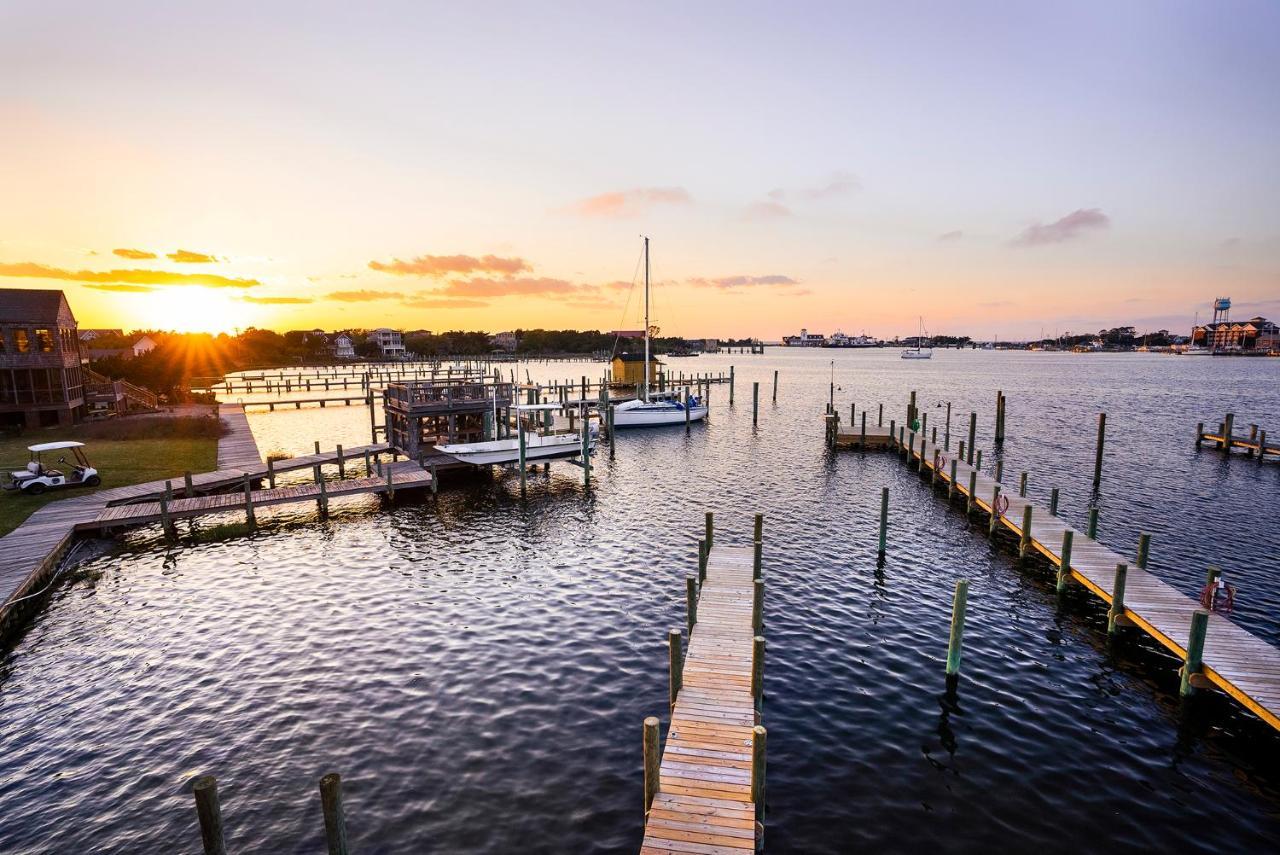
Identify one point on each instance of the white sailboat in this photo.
(919, 351)
(538, 444)
(655, 410)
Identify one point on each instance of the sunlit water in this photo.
(477, 668)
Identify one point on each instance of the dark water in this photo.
(478, 668)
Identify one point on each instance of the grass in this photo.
(127, 451)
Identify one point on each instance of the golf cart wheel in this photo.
(93, 480)
(35, 489)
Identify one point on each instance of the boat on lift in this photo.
(655, 410)
(540, 441)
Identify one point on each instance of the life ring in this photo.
(1002, 506)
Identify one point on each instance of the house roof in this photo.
(33, 304)
(636, 357)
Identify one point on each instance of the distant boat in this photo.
(919, 351)
(841, 340)
(658, 410)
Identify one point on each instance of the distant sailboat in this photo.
(919, 351)
(649, 410)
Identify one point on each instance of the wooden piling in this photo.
(523, 460)
(1144, 550)
(973, 435)
(391, 487)
(188, 489)
(775, 386)
(651, 762)
(1191, 666)
(1024, 547)
(731, 385)
(884, 520)
(978, 465)
(757, 670)
(209, 812)
(675, 665)
(757, 606)
(758, 738)
(342, 463)
(1022, 485)
(1227, 429)
(956, 641)
(862, 437)
(951, 483)
(1115, 614)
(755, 404)
(250, 517)
(1092, 532)
(1097, 461)
(994, 523)
(973, 488)
(1053, 502)
(946, 440)
(691, 602)
(710, 531)
(1199, 433)
(702, 561)
(335, 821)
(322, 500)
(880, 417)
(1064, 562)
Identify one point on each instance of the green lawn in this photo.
(129, 451)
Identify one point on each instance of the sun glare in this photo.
(195, 309)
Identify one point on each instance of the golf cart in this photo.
(36, 478)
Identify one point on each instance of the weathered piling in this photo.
(166, 522)
(1092, 531)
(757, 671)
(342, 463)
(691, 601)
(1053, 502)
(250, 517)
(702, 561)
(523, 457)
(1097, 461)
(651, 762)
(1064, 561)
(731, 385)
(335, 821)
(188, 489)
(994, 524)
(973, 436)
(755, 403)
(1115, 614)
(1228, 427)
(880, 417)
(1144, 550)
(710, 531)
(884, 520)
(955, 643)
(973, 488)
(758, 738)
(1192, 666)
(209, 812)
(951, 483)
(757, 606)
(675, 665)
(1022, 485)
(1024, 547)
(775, 386)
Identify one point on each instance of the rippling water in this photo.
(477, 668)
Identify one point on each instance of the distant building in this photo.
(504, 341)
(91, 334)
(343, 346)
(805, 339)
(389, 341)
(627, 333)
(711, 345)
(146, 344)
(40, 380)
(1256, 335)
(628, 368)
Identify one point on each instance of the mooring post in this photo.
(652, 763)
(702, 561)
(391, 488)
(755, 403)
(757, 605)
(342, 463)
(951, 483)
(1195, 651)
(973, 435)
(758, 738)
(956, 641)
(1093, 524)
(188, 489)
(880, 417)
(1053, 502)
(165, 521)
(585, 443)
(731, 385)
(910, 448)
(1064, 561)
(610, 428)
(994, 523)
(775, 386)
(1144, 550)
(757, 671)
(675, 665)
(322, 501)
(250, 517)
(523, 465)
(1227, 428)
(710, 531)
(271, 471)
(1022, 485)
(1097, 461)
(317, 446)
(1116, 613)
(973, 489)
(884, 520)
(862, 439)
(962, 457)
(1024, 547)
(691, 602)
(978, 465)
(1262, 445)
(1000, 469)
(209, 811)
(1199, 433)
(893, 430)
(335, 821)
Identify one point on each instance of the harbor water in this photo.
(477, 667)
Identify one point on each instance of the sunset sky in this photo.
(1002, 169)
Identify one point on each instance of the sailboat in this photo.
(919, 351)
(650, 410)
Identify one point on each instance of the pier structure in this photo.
(419, 414)
(704, 792)
(1216, 652)
(1254, 444)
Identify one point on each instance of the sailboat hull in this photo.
(501, 451)
(655, 415)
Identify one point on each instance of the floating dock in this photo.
(1225, 439)
(1232, 659)
(707, 793)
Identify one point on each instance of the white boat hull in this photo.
(500, 451)
(655, 415)
(907, 354)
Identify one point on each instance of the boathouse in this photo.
(421, 414)
(628, 369)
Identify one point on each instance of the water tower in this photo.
(1221, 310)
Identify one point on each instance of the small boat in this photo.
(655, 410)
(919, 351)
(538, 443)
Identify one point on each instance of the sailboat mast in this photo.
(646, 319)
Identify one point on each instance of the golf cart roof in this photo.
(54, 446)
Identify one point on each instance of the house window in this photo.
(45, 340)
(21, 340)
(3, 343)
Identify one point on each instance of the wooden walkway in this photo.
(704, 800)
(296, 403)
(1234, 660)
(238, 449)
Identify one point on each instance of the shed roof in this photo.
(636, 357)
(33, 304)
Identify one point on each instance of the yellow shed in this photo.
(628, 368)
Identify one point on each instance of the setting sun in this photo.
(194, 310)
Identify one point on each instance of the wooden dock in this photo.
(237, 449)
(1255, 445)
(296, 403)
(704, 801)
(1233, 659)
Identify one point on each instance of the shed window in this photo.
(45, 339)
(21, 340)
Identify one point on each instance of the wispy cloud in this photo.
(186, 256)
(621, 204)
(131, 277)
(839, 183)
(479, 286)
(443, 303)
(363, 296)
(772, 279)
(135, 254)
(444, 265)
(1067, 228)
(276, 301)
(951, 236)
(127, 289)
(769, 210)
